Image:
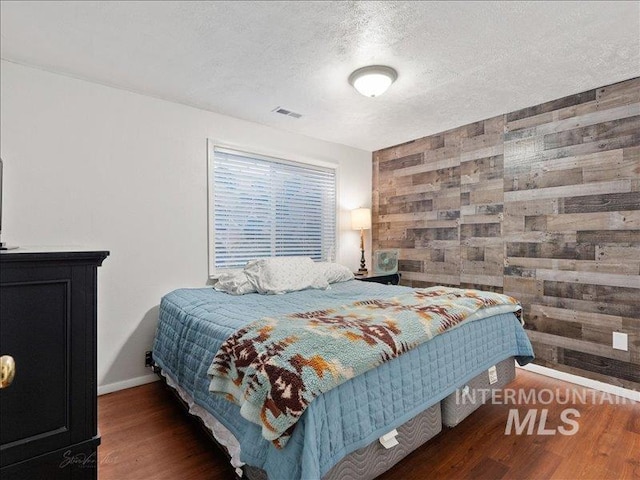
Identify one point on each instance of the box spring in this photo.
(374, 459)
(460, 404)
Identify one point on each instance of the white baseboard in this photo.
(582, 381)
(132, 382)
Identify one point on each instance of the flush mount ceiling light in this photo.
(373, 81)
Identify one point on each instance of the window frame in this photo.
(261, 154)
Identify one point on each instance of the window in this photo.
(267, 207)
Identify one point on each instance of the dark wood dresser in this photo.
(48, 412)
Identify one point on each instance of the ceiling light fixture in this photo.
(373, 81)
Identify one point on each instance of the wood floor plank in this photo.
(488, 469)
(146, 435)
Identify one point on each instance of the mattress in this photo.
(477, 391)
(194, 322)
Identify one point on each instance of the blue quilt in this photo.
(194, 323)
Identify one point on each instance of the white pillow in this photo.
(334, 272)
(234, 282)
(284, 274)
(215, 276)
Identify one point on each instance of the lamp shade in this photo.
(361, 219)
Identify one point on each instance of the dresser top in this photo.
(50, 253)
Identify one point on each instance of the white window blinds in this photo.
(265, 207)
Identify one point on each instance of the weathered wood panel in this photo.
(543, 204)
(570, 167)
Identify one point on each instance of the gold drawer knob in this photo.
(7, 370)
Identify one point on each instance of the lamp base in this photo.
(363, 271)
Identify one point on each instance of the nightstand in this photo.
(390, 279)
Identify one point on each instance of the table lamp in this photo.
(361, 220)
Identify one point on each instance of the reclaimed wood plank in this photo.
(594, 278)
(517, 287)
(522, 155)
(595, 188)
(482, 210)
(408, 217)
(554, 327)
(601, 131)
(496, 184)
(606, 202)
(551, 249)
(482, 267)
(411, 189)
(602, 334)
(481, 242)
(611, 365)
(480, 230)
(607, 253)
(590, 305)
(447, 177)
(488, 151)
(482, 280)
(406, 207)
(546, 206)
(486, 197)
(480, 219)
(616, 90)
(402, 162)
(538, 179)
(553, 105)
(429, 165)
(609, 220)
(609, 237)
(616, 322)
(411, 147)
(449, 200)
(623, 267)
(433, 278)
(410, 265)
(588, 162)
(570, 118)
(590, 291)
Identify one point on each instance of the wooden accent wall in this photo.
(542, 204)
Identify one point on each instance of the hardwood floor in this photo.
(146, 435)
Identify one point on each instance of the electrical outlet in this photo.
(620, 341)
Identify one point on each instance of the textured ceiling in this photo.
(458, 62)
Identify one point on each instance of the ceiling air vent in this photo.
(288, 113)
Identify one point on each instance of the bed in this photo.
(340, 429)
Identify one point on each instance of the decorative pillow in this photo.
(334, 272)
(234, 282)
(284, 274)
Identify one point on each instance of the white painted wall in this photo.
(86, 164)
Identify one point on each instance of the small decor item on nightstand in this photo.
(385, 262)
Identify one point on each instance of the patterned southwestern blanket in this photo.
(274, 367)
